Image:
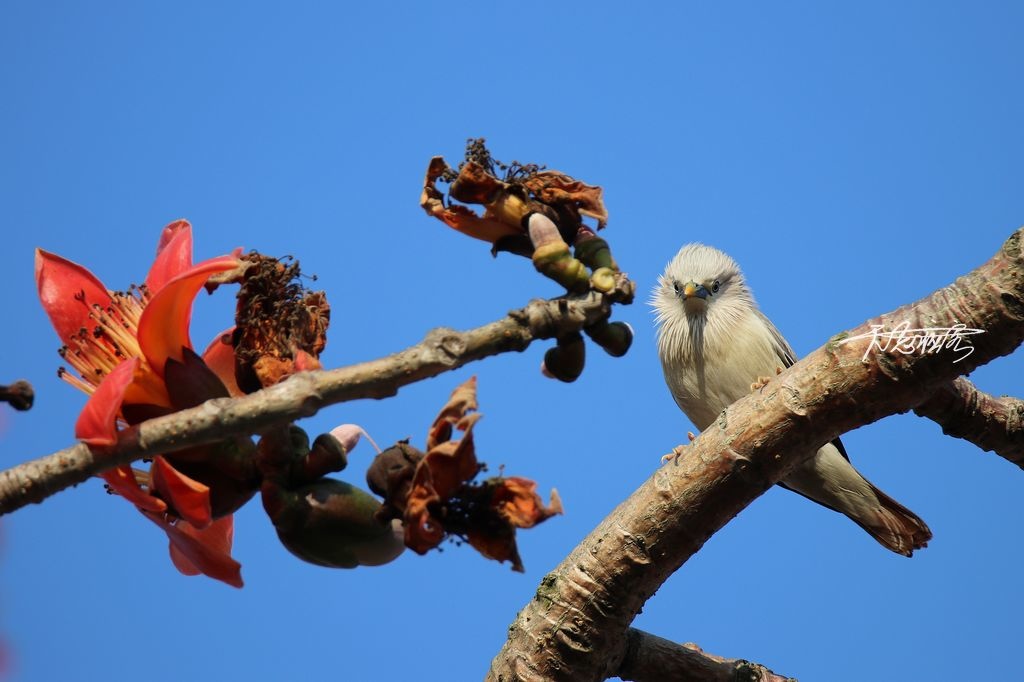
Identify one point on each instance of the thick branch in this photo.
(994, 424)
(653, 659)
(304, 394)
(574, 628)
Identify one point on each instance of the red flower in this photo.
(133, 355)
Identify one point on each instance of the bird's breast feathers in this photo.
(709, 367)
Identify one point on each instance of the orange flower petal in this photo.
(97, 424)
(206, 551)
(219, 356)
(122, 481)
(188, 497)
(181, 562)
(67, 292)
(173, 255)
(146, 389)
(163, 327)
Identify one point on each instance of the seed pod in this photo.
(331, 523)
(594, 252)
(614, 337)
(565, 361)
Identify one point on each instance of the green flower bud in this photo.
(332, 523)
(565, 361)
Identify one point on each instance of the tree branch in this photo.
(649, 658)
(993, 424)
(306, 393)
(574, 628)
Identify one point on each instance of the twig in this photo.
(650, 658)
(993, 424)
(18, 395)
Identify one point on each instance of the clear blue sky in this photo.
(851, 159)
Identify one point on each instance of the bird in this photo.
(716, 346)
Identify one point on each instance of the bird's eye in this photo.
(675, 287)
(716, 286)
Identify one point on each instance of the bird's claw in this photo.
(676, 453)
(763, 381)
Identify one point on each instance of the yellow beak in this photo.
(691, 289)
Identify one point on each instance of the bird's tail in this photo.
(829, 479)
(895, 526)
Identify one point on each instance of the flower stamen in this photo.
(95, 353)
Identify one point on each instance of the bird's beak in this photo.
(692, 289)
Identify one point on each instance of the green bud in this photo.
(331, 523)
(565, 361)
(614, 337)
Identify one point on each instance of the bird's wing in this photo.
(782, 347)
(788, 358)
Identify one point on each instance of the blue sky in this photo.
(852, 159)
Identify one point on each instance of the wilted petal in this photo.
(517, 500)
(452, 463)
(516, 504)
(67, 291)
(304, 362)
(553, 187)
(173, 255)
(470, 224)
(459, 217)
(422, 531)
(189, 498)
(498, 543)
(97, 424)
(461, 401)
(122, 481)
(206, 551)
(219, 356)
(164, 325)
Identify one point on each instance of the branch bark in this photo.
(574, 628)
(993, 424)
(306, 393)
(649, 658)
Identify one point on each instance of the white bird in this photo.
(716, 346)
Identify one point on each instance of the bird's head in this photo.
(700, 282)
